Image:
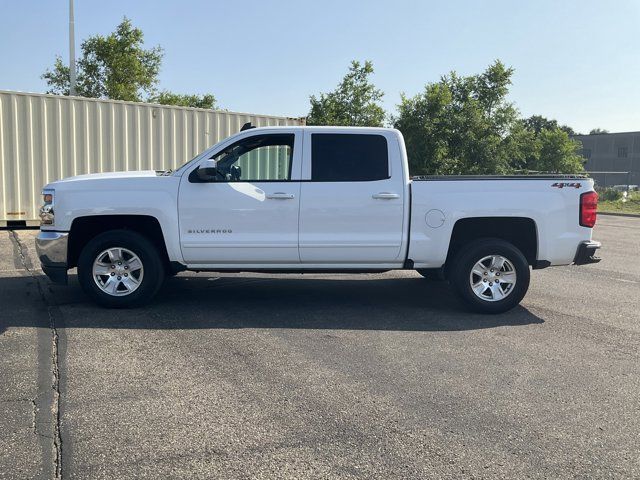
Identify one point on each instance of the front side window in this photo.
(257, 159)
(339, 157)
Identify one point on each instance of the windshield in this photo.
(200, 155)
(185, 165)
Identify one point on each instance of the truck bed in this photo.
(551, 202)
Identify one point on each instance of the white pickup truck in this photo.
(313, 199)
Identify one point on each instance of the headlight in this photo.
(46, 211)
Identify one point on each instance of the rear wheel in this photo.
(490, 275)
(120, 269)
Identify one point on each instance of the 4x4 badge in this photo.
(565, 184)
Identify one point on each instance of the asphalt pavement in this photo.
(323, 376)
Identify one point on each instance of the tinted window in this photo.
(337, 157)
(257, 158)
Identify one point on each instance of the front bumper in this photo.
(52, 251)
(586, 253)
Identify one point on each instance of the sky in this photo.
(575, 61)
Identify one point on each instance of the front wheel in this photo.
(120, 269)
(490, 275)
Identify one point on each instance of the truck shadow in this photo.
(277, 302)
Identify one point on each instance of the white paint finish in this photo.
(107, 176)
(341, 222)
(44, 138)
(434, 218)
(137, 193)
(241, 222)
(353, 222)
(555, 212)
(258, 229)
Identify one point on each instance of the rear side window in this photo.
(338, 157)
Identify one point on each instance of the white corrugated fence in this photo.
(48, 137)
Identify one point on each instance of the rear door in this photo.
(351, 200)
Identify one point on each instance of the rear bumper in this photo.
(52, 251)
(586, 253)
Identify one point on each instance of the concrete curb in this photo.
(616, 214)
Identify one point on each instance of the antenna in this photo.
(247, 126)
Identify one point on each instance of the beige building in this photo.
(48, 137)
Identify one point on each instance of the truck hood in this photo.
(105, 176)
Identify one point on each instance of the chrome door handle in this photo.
(281, 196)
(385, 195)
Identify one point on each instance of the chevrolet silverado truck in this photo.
(313, 199)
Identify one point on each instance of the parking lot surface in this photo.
(323, 376)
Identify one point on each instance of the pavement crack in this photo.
(55, 361)
(55, 408)
(34, 412)
(25, 261)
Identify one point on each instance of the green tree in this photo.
(559, 153)
(543, 146)
(597, 131)
(459, 124)
(523, 148)
(116, 67)
(355, 101)
(466, 125)
(538, 122)
(197, 101)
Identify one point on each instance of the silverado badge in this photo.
(209, 230)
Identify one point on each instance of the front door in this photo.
(248, 212)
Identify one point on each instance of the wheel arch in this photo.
(520, 231)
(83, 229)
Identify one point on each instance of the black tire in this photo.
(153, 268)
(464, 262)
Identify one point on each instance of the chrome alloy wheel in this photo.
(117, 271)
(493, 278)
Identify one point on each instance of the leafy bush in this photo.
(609, 195)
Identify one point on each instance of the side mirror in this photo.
(207, 171)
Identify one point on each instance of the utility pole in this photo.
(72, 52)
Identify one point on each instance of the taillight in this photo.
(588, 207)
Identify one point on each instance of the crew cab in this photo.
(313, 199)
